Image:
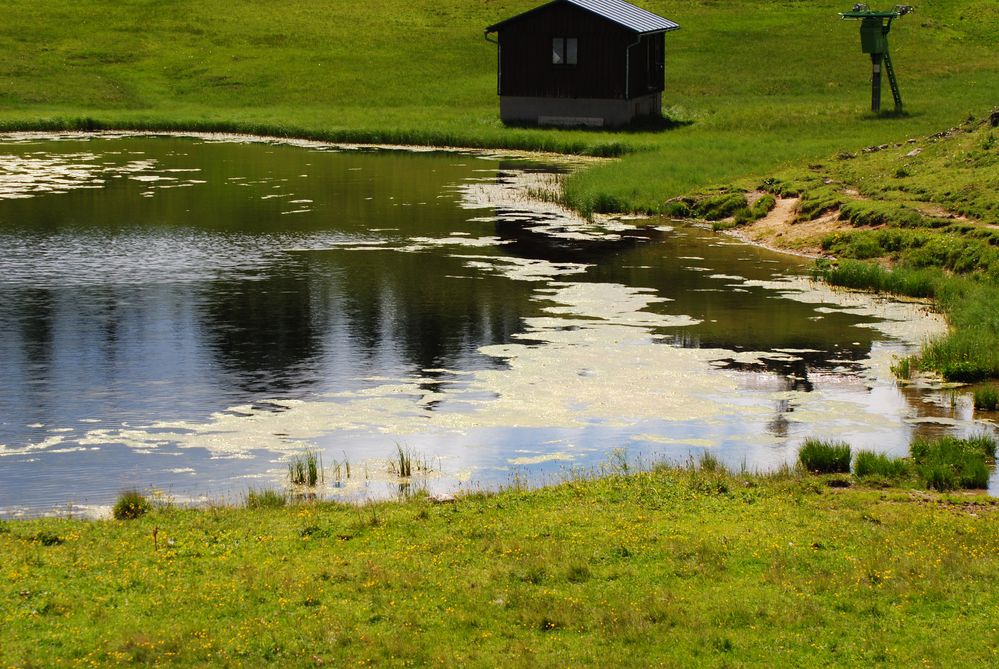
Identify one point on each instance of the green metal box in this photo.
(872, 37)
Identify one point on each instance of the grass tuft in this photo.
(709, 462)
(949, 463)
(131, 504)
(341, 470)
(305, 469)
(869, 464)
(265, 499)
(407, 462)
(825, 457)
(402, 466)
(870, 276)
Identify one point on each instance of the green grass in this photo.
(265, 499)
(420, 72)
(870, 465)
(986, 398)
(670, 567)
(305, 469)
(953, 260)
(824, 457)
(869, 276)
(948, 463)
(970, 351)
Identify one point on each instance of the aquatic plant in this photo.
(341, 470)
(403, 463)
(306, 469)
(987, 398)
(131, 504)
(825, 457)
(407, 461)
(265, 499)
(901, 368)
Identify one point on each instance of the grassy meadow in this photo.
(675, 567)
(757, 85)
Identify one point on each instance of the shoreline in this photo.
(299, 141)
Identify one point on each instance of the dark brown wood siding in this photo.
(646, 69)
(526, 67)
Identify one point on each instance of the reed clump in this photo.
(408, 462)
(306, 469)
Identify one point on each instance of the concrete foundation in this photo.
(578, 111)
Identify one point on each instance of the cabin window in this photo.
(564, 50)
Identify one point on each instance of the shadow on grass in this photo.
(890, 115)
(646, 124)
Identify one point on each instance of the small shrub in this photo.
(939, 477)
(987, 398)
(869, 464)
(869, 276)
(131, 504)
(825, 457)
(265, 499)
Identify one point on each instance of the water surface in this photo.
(184, 315)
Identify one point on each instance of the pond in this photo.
(185, 314)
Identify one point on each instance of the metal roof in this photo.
(620, 12)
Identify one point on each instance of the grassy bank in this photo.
(929, 209)
(756, 85)
(674, 567)
(918, 218)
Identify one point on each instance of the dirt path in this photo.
(778, 231)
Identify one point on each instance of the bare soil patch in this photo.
(779, 231)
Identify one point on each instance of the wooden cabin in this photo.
(581, 62)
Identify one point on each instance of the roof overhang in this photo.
(624, 14)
